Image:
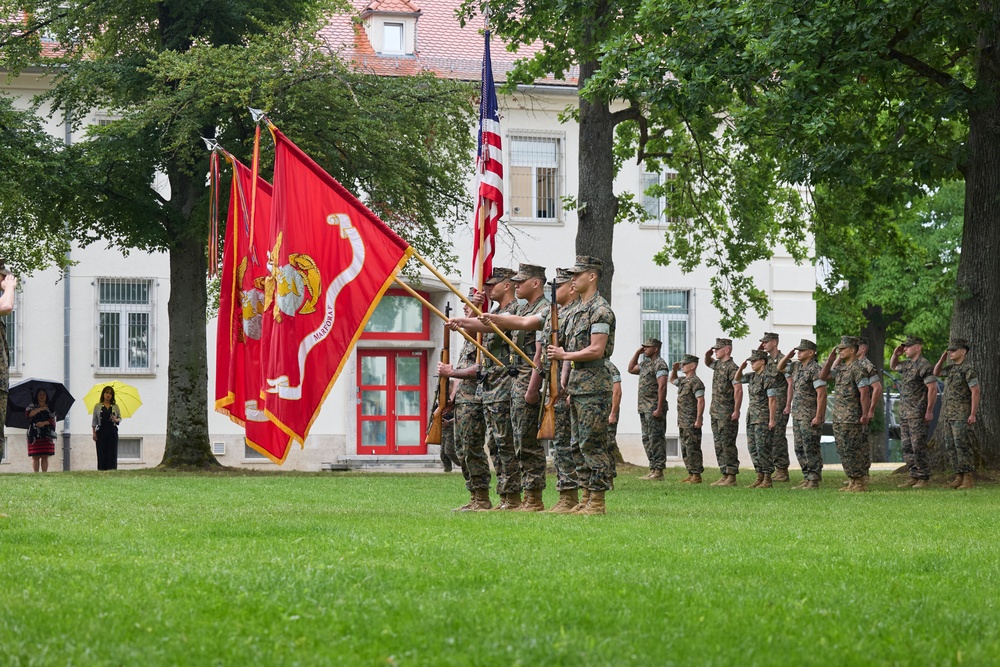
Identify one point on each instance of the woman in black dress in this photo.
(41, 431)
(105, 427)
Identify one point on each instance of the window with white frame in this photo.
(667, 316)
(125, 325)
(251, 454)
(13, 323)
(535, 178)
(130, 450)
(392, 38)
(656, 205)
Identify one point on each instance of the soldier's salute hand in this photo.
(898, 350)
(711, 352)
(676, 366)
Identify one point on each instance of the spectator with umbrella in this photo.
(41, 431)
(36, 405)
(108, 404)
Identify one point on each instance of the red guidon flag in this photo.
(330, 261)
(239, 377)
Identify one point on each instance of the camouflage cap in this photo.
(849, 341)
(652, 342)
(526, 271)
(806, 345)
(863, 340)
(957, 343)
(563, 276)
(689, 359)
(913, 340)
(587, 263)
(721, 343)
(499, 275)
(769, 336)
(758, 355)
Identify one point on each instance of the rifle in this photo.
(547, 430)
(441, 400)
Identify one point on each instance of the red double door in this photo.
(392, 401)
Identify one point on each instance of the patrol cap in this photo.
(758, 355)
(563, 276)
(652, 342)
(862, 340)
(806, 345)
(721, 343)
(769, 336)
(913, 340)
(689, 359)
(526, 271)
(849, 341)
(499, 275)
(587, 263)
(957, 343)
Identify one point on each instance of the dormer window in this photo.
(391, 26)
(392, 38)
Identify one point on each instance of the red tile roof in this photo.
(443, 47)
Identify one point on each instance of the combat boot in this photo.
(532, 501)
(921, 484)
(695, 479)
(766, 482)
(656, 475)
(568, 499)
(648, 475)
(957, 482)
(757, 482)
(584, 499)
(848, 485)
(910, 481)
(811, 484)
(968, 481)
(780, 475)
(467, 506)
(719, 481)
(595, 505)
(687, 480)
(801, 485)
(482, 502)
(728, 480)
(861, 486)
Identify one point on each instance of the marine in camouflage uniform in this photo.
(449, 454)
(589, 384)
(917, 394)
(779, 434)
(725, 427)
(690, 408)
(8, 285)
(850, 427)
(961, 388)
(762, 391)
(470, 429)
(615, 401)
(808, 412)
(651, 368)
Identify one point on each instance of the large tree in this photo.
(173, 71)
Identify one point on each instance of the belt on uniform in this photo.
(596, 363)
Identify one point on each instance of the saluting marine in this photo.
(961, 388)
(918, 392)
(851, 412)
(727, 399)
(808, 410)
(690, 409)
(762, 411)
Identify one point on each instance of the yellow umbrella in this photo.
(126, 397)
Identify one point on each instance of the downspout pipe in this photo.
(66, 322)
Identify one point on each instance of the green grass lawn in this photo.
(146, 568)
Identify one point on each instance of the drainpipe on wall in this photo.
(66, 321)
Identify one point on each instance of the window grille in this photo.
(667, 316)
(126, 325)
(130, 450)
(12, 320)
(657, 206)
(673, 448)
(251, 454)
(535, 178)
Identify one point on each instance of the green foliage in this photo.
(145, 568)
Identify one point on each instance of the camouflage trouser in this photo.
(449, 456)
(958, 441)
(759, 443)
(724, 431)
(853, 449)
(654, 438)
(470, 434)
(530, 452)
(565, 450)
(913, 433)
(807, 448)
(589, 415)
(613, 452)
(779, 440)
(3, 413)
(691, 449)
(505, 459)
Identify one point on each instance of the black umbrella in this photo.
(22, 395)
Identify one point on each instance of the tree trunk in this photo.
(187, 367)
(875, 331)
(976, 316)
(597, 204)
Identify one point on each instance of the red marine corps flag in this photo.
(330, 259)
(239, 373)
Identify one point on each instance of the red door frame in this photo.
(391, 418)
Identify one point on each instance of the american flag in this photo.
(489, 163)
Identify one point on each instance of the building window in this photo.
(251, 454)
(125, 325)
(130, 450)
(13, 323)
(398, 315)
(656, 203)
(535, 178)
(666, 315)
(392, 38)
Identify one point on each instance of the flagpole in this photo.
(474, 308)
(444, 317)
